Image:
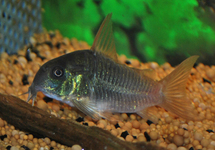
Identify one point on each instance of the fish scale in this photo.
(124, 95)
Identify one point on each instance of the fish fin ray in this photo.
(104, 40)
(148, 114)
(173, 92)
(87, 107)
(106, 114)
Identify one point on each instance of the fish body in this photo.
(96, 83)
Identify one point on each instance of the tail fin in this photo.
(173, 90)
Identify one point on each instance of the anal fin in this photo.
(149, 114)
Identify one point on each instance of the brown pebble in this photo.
(1, 123)
(35, 68)
(136, 124)
(30, 145)
(210, 73)
(108, 127)
(163, 144)
(180, 131)
(210, 146)
(42, 105)
(30, 137)
(13, 142)
(9, 90)
(186, 134)
(14, 148)
(129, 138)
(153, 135)
(181, 148)
(102, 121)
(195, 142)
(3, 78)
(144, 126)
(35, 140)
(90, 123)
(53, 143)
(128, 125)
(25, 137)
(213, 137)
(141, 138)
(16, 136)
(198, 136)
(42, 144)
(171, 146)
(56, 107)
(22, 59)
(76, 147)
(178, 140)
(47, 141)
(25, 142)
(199, 147)
(205, 142)
(124, 116)
(40, 141)
(101, 125)
(154, 65)
(114, 132)
(4, 55)
(120, 123)
(168, 119)
(133, 117)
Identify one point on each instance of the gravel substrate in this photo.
(174, 133)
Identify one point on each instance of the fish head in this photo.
(59, 77)
(48, 79)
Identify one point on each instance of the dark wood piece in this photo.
(40, 123)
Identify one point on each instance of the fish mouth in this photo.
(32, 94)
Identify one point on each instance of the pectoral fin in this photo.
(89, 108)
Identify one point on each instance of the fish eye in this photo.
(58, 72)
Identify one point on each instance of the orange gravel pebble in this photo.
(136, 124)
(129, 138)
(76, 147)
(128, 125)
(198, 136)
(171, 127)
(205, 142)
(42, 105)
(153, 135)
(1, 123)
(178, 140)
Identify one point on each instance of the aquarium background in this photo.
(150, 30)
(19, 20)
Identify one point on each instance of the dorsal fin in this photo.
(104, 40)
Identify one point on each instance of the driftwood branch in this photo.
(40, 123)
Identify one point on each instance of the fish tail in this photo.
(173, 90)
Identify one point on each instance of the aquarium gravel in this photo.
(174, 133)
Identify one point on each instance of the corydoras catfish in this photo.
(96, 83)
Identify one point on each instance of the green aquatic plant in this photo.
(153, 30)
